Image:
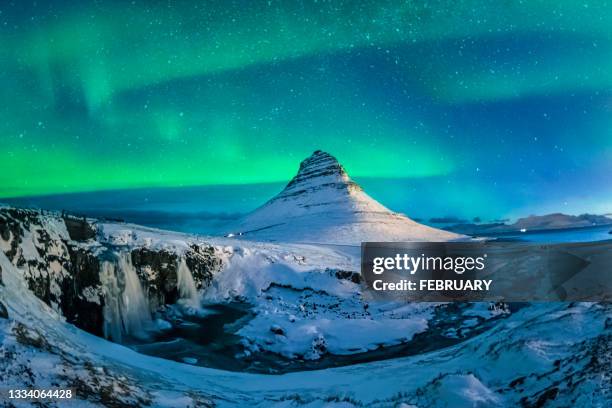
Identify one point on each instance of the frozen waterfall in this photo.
(112, 300)
(126, 308)
(185, 283)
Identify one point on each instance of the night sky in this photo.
(464, 108)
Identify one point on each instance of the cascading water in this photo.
(185, 283)
(126, 309)
(136, 314)
(112, 300)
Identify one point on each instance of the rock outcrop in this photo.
(57, 270)
(158, 270)
(60, 257)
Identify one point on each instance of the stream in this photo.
(208, 339)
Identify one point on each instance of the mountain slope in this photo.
(321, 204)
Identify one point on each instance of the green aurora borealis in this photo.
(505, 101)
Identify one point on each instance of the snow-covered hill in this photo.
(321, 204)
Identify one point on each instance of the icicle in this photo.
(185, 283)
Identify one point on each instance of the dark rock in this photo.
(161, 286)
(30, 337)
(547, 396)
(354, 277)
(276, 329)
(79, 229)
(3, 311)
(84, 270)
(37, 278)
(319, 345)
(203, 262)
(10, 229)
(517, 381)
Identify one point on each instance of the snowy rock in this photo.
(190, 360)
(60, 257)
(61, 272)
(158, 269)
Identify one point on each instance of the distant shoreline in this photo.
(534, 231)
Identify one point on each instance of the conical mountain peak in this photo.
(320, 163)
(319, 170)
(321, 204)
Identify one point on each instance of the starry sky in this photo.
(462, 108)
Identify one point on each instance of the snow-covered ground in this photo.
(557, 354)
(302, 308)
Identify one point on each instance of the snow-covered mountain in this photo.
(321, 204)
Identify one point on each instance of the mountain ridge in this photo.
(546, 222)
